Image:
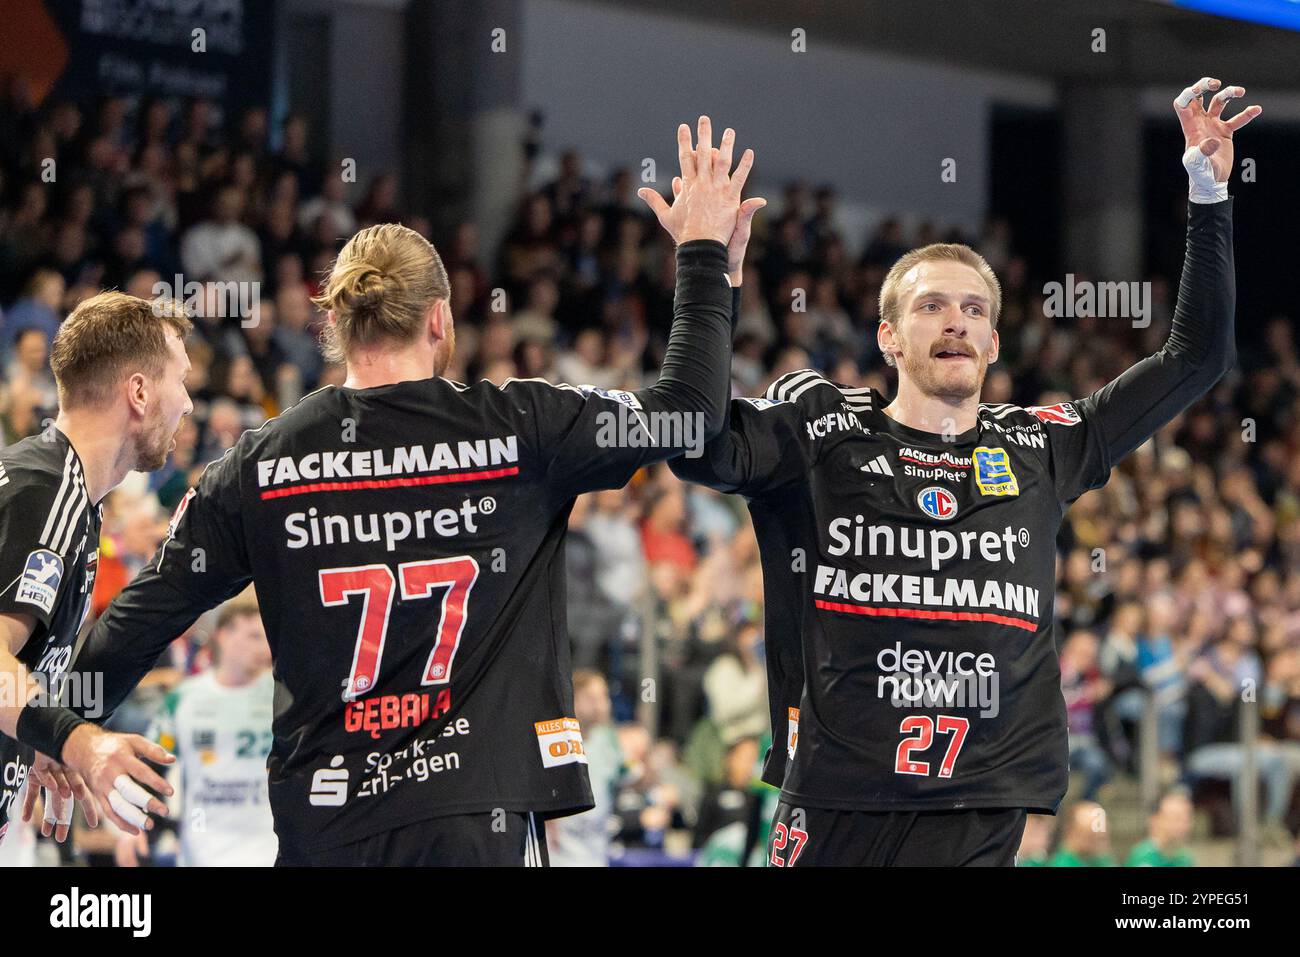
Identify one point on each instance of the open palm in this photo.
(1206, 128)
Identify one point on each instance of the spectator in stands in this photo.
(222, 247)
(1085, 688)
(1168, 829)
(662, 534)
(39, 308)
(33, 398)
(1086, 842)
(735, 685)
(583, 840)
(731, 801)
(1036, 841)
(1215, 749)
(331, 207)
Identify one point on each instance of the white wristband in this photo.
(1201, 184)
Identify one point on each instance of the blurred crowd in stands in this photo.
(1179, 580)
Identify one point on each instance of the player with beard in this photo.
(908, 549)
(120, 366)
(406, 536)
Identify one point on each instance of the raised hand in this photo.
(1206, 130)
(740, 238)
(707, 204)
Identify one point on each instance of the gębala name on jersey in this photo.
(403, 460)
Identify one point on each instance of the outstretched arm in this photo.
(758, 447)
(1201, 345)
(202, 562)
(597, 438)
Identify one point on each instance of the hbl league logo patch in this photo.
(39, 585)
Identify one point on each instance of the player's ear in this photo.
(438, 319)
(993, 348)
(137, 393)
(886, 341)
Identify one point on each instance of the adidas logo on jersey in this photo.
(879, 465)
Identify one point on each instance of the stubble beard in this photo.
(152, 448)
(442, 356)
(930, 381)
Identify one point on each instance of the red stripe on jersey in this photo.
(927, 614)
(390, 483)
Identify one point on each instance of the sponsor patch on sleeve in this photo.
(792, 733)
(618, 395)
(762, 404)
(560, 742)
(39, 585)
(1063, 413)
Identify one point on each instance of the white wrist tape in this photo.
(1201, 184)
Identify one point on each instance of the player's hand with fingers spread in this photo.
(707, 204)
(113, 766)
(1207, 136)
(740, 238)
(62, 787)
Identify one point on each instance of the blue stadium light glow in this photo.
(1277, 13)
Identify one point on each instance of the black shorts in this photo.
(490, 839)
(808, 836)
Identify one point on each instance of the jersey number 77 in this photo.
(418, 579)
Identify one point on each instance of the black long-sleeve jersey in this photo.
(407, 546)
(49, 551)
(910, 581)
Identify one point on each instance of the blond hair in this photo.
(380, 287)
(108, 335)
(891, 292)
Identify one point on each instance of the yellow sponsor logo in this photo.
(993, 472)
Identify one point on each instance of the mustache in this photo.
(960, 346)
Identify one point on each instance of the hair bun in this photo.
(364, 292)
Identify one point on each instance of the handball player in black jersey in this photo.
(405, 533)
(908, 548)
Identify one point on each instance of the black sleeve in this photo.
(759, 448)
(1088, 437)
(36, 546)
(202, 562)
(758, 451)
(596, 438)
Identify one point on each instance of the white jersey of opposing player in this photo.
(221, 737)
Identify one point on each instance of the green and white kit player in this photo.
(218, 724)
